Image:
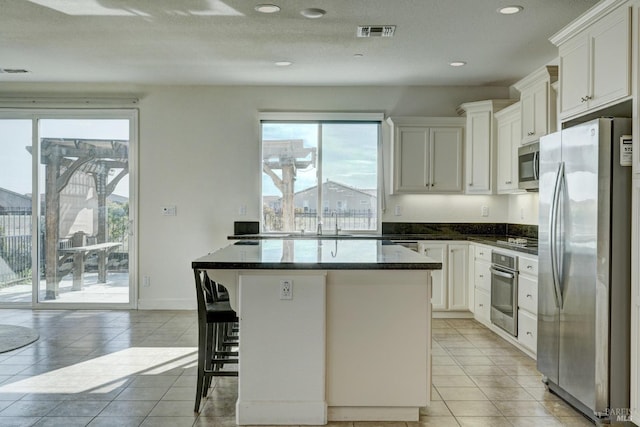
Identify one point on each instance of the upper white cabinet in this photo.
(538, 103)
(508, 124)
(480, 149)
(595, 59)
(427, 154)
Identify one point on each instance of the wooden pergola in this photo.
(287, 155)
(63, 157)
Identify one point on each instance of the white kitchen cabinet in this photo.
(595, 61)
(528, 302)
(437, 251)
(427, 154)
(480, 150)
(457, 276)
(482, 283)
(449, 285)
(508, 142)
(538, 104)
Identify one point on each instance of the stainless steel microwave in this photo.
(529, 166)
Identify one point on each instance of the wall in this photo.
(199, 152)
(523, 208)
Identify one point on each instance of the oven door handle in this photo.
(502, 273)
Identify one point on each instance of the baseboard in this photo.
(452, 314)
(167, 304)
(281, 413)
(367, 413)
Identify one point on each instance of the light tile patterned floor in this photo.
(137, 368)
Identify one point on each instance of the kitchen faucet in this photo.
(334, 214)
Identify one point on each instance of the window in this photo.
(313, 168)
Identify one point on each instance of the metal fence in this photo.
(16, 232)
(308, 221)
(15, 245)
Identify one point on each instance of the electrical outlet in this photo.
(169, 210)
(146, 281)
(398, 210)
(484, 211)
(242, 210)
(286, 289)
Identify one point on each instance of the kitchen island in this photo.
(330, 330)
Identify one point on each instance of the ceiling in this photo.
(227, 42)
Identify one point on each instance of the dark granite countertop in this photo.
(491, 239)
(316, 254)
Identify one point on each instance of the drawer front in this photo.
(528, 266)
(482, 277)
(528, 294)
(482, 306)
(527, 330)
(483, 253)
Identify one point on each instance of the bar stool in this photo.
(217, 334)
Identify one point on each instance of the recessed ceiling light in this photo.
(283, 63)
(267, 8)
(313, 13)
(457, 63)
(510, 10)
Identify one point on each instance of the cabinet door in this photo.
(482, 312)
(458, 264)
(508, 143)
(437, 251)
(528, 330)
(610, 58)
(574, 75)
(478, 152)
(446, 160)
(535, 112)
(411, 159)
(482, 278)
(528, 293)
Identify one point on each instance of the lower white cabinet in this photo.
(449, 285)
(527, 329)
(528, 302)
(482, 310)
(482, 283)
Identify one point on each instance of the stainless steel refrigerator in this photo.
(584, 266)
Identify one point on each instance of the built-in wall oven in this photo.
(504, 292)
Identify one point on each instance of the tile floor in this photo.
(137, 368)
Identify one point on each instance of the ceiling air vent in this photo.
(376, 30)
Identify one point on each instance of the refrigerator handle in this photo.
(553, 221)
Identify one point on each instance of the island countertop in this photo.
(316, 254)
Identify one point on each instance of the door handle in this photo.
(501, 273)
(553, 219)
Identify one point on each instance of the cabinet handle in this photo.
(588, 97)
(529, 267)
(529, 333)
(482, 276)
(480, 305)
(507, 182)
(530, 133)
(481, 253)
(529, 296)
(471, 184)
(433, 184)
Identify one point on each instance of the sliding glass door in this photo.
(81, 238)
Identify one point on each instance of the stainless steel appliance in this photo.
(528, 167)
(584, 266)
(504, 292)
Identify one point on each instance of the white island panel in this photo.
(378, 344)
(282, 362)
